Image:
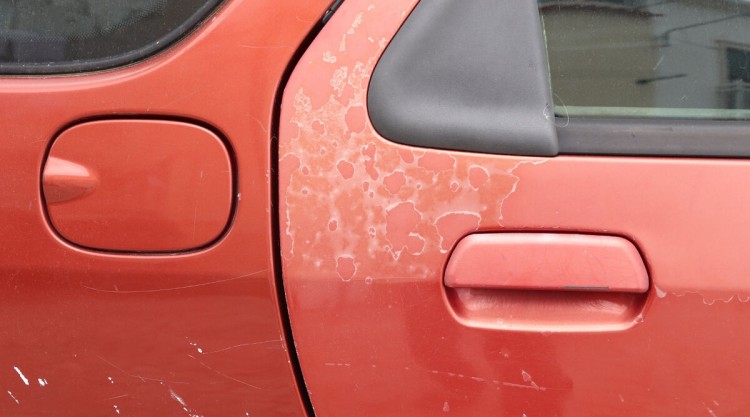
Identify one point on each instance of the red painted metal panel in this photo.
(546, 261)
(146, 185)
(197, 333)
(376, 330)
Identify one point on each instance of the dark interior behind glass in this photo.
(55, 36)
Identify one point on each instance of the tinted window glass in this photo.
(43, 36)
(668, 58)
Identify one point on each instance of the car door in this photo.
(138, 273)
(460, 237)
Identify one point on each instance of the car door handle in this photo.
(547, 261)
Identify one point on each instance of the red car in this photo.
(396, 208)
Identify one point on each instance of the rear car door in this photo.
(476, 222)
(136, 238)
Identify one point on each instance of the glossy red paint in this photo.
(87, 333)
(138, 185)
(546, 261)
(377, 332)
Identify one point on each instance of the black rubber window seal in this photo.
(654, 137)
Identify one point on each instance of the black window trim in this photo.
(654, 137)
(393, 117)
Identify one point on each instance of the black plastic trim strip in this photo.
(73, 67)
(654, 137)
(466, 75)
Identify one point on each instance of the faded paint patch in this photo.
(355, 118)
(401, 221)
(477, 177)
(453, 226)
(397, 210)
(406, 155)
(393, 182)
(345, 169)
(437, 161)
(345, 267)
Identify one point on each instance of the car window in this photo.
(649, 58)
(54, 36)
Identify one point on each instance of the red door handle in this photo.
(547, 261)
(65, 180)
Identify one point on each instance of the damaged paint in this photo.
(367, 226)
(388, 200)
(21, 375)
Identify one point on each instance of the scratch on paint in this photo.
(23, 378)
(180, 98)
(185, 408)
(223, 374)
(527, 379)
(243, 345)
(116, 397)
(536, 388)
(262, 125)
(710, 411)
(142, 378)
(14, 397)
(177, 397)
(203, 284)
(198, 348)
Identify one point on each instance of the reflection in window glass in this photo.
(38, 36)
(662, 58)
